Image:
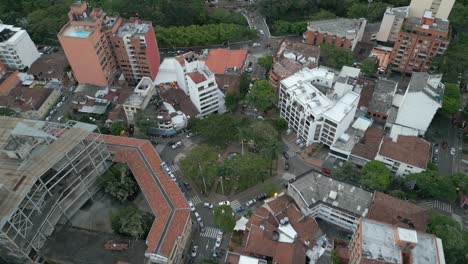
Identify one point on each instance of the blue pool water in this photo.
(78, 33)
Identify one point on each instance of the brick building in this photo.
(341, 32)
(100, 48)
(419, 41)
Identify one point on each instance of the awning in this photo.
(241, 224)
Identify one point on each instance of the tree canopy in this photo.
(374, 13)
(117, 127)
(244, 84)
(454, 240)
(224, 219)
(430, 184)
(262, 95)
(246, 170)
(201, 166)
(375, 175)
(451, 101)
(335, 58)
(119, 182)
(129, 221)
(369, 66)
(266, 62)
(231, 101)
(217, 128)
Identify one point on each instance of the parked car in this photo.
(326, 171)
(285, 155)
(194, 251)
(189, 135)
(208, 205)
(256, 44)
(261, 32)
(59, 104)
(239, 209)
(187, 186)
(218, 241)
(53, 112)
(64, 98)
(48, 118)
(452, 151)
(262, 196)
(286, 166)
(172, 176)
(198, 217)
(60, 119)
(170, 143)
(177, 145)
(192, 207)
(224, 203)
(250, 203)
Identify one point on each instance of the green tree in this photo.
(432, 166)
(201, 166)
(460, 182)
(129, 221)
(224, 219)
(217, 128)
(5, 111)
(262, 95)
(231, 100)
(347, 172)
(453, 238)
(266, 62)
(270, 189)
(244, 84)
(369, 66)
(375, 175)
(430, 184)
(119, 182)
(451, 101)
(280, 125)
(246, 170)
(336, 58)
(322, 15)
(117, 127)
(374, 13)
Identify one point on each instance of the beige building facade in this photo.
(440, 8)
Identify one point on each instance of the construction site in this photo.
(48, 171)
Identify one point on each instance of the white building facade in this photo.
(139, 99)
(17, 50)
(315, 117)
(196, 80)
(440, 8)
(391, 23)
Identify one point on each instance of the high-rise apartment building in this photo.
(391, 23)
(419, 41)
(17, 50)
(440, 8)
(100, 48)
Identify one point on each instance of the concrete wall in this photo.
(385, 27)
(398, 167)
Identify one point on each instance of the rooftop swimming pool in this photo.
(76, 33)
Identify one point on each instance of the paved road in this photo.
(67, 105)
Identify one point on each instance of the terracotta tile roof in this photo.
(221, 59)
(368, 146)
(178, 99)
(164, 197)
(24, 98)
(196, 77)
(230, 80)
(391, 210)
(49, 66)
(408, 149)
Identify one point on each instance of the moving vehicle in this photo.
(224, 203)
(208, 205)
(198, 217)
(194, 251)
(177, 145)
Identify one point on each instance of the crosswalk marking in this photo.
(211, 232)
(288, 176)
(235, 204)
(175, 168)
(195, 199)
(445, 207)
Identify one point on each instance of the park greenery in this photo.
(224, 219)
(284, 27)
(262, 95)
(231, 100)
(245, 170)
(131, 221)
(119, 182)
(117, 127)
(201, 166)
(451, 101)
(266, 62)
(336, 58)
(455, 240)
(375, 175)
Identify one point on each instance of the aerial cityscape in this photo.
(233, 131)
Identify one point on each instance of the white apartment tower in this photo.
(316, 115)
(17, 50)
(440, 8)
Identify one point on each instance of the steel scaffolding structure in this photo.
(47, 172)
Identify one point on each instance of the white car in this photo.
(59, 104)
(208, 205)
(192, 207)
(176, 145)
(48, 118)
(60, 119)
(256, 44)
(224, 203)
(198, 217)
(194, 251)
(189, 135)
(452, 151)
(261, 32)
(218, 241)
